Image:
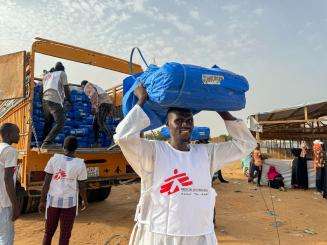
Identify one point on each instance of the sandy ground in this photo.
(241, 216)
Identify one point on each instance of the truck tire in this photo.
(22, 202)
(92, 195)
(103, 193)
(32, 204)
(21, 198)
(98, 195)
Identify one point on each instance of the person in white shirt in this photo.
(64, 182)
(55, 100)
(9, 206)
(177, 200)
(102, 107)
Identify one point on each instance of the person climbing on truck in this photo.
(56, 97)
(102, 107)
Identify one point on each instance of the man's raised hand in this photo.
(141, 93)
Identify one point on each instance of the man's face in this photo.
(14, 136)
(180, 125)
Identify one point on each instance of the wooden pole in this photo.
(306, 113)
(257, 134)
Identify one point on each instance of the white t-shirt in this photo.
(141, 155)
(66, 171)
(8, 159)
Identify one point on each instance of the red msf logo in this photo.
(174, 183)
(60, 174)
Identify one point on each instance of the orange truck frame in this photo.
(16, 106)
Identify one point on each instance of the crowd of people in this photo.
(299, 177)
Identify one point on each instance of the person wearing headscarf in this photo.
(299, 167)
(275, 179)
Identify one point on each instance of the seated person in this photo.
(275, 179)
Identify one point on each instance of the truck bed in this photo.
(114, 149)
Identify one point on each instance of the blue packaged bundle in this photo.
(198, 133)
(70, 122)
(79, 132)
(88, 120)
(38, 88)
(104, 140)
(77, 98)
(37, 104)
(66, 130)
(38, 113)
(60, 138)
(186, 86)
(129, 81)
(84, 144)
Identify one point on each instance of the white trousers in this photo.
(142, 236)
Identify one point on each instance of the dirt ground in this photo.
(241, 216)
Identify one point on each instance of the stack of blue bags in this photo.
(79, 121)
(38, 118)
(185, 86)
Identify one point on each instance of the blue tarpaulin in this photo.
(186, 86)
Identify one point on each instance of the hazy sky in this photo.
(280, 46)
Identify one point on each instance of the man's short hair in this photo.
(6, 128)
(59, 67)
(178, 110)
(84, 82)
(70, 143)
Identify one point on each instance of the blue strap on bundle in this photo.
(185, 86)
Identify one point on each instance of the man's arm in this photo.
(10, 188)
(241, 145)
(138, 152)
(44, 192)
(81, 178)
(67, 93)
(82, 192)
(226, 116)
(63, 77)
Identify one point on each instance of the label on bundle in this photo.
(212, 79)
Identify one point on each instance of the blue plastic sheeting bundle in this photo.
(79, 121)
(198, 133)
(185, 86)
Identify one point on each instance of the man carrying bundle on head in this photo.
(102, 107)
(177, 200)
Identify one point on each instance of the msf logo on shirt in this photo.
(60, 174)
(174, 183)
